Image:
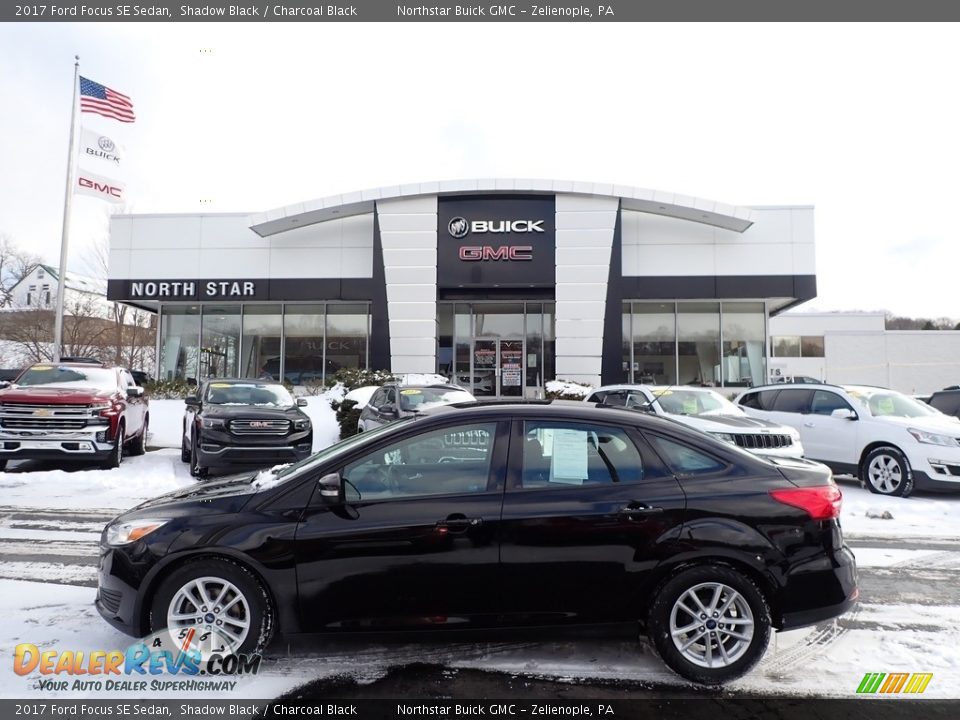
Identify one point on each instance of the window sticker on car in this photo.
(569, 463)
(662, 393)
(219, 385)
(42, 367)
(690, 406)
(409, 391)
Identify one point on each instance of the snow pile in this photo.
(361, 396)
(565, 387)
(918, 516)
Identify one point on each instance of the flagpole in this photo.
(65, 235)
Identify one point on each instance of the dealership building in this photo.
(499, 285)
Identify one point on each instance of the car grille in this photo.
(259, 427)
(762, 441)
(23, 416)
(110, 599)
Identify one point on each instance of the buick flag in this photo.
(97, 146)
(98, 186)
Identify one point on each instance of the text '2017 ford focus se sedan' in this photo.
(491, 515)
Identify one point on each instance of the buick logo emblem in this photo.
(106, 144)
(458, 227)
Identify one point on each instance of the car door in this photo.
(415, 539)
(830, 438)
(584, 516)
(190, 413)
(136, 406)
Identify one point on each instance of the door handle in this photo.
(809, 424)
(635, 510)
(458, 524)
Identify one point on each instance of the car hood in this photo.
(252, 411)
(946, 424)
(228, 494)
(729, 423)
(54, 395)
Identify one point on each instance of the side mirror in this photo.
(4, 384)
(844, 414)
(388, 410)
(192, 401)
(301, 402)
(330, 487)
(134, 392)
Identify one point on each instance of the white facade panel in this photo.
(121, 233)
(588, 367)
(583, 273)
(357, 230)
(572, 256)
(579, 347)
(412, 275)
(581, 292)
(305, 262)
(402, 364)
(754, 259)
(579, 328)
(234, 264)
(409, 240)
(119, 262)
(412, 310)
(586, 220)
(670, 260)
(407, 223)
(166, 233)
(165, 265)
(411, 293)
(413, 329)
(319, 235)
(588, 238)
(229, 231)
(356, 262)
(410, 257)
(413, 346)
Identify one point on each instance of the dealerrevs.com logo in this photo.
(201, 659)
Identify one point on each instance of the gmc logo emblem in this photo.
(258, 424)
(504, 252)
(111, 190)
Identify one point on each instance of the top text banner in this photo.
(392, 10)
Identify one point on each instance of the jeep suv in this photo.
(72, 411)
(889, 440)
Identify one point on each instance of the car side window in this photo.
(685, 460)
(825, 402)
(378, 399)
(560, 454)
(449, 461)
(793, 401)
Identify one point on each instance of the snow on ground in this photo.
(922, 515)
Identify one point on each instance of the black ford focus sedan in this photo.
(496, 515)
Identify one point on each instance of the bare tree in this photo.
(15, 264)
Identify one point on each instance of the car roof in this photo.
(232, 381)
(422, 386)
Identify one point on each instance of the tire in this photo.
(251, 604)
(3, 464)
(184, 450)
(707, 663)
(116, 455)
(138, 445)
(885, 471)
(196, 469)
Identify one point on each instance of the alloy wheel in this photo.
(711, 625)
(885, 474)
(211, 604)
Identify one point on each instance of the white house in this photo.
(38, 290)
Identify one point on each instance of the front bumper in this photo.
(793, 451)
(940, 479)
(116, 600)
(89, 443)
(216, 449)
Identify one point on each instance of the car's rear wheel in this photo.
(139, 444)
(196, 469)
(215, 596)
(710, 624)
(116, 455)
(885, 471)
(184, 450)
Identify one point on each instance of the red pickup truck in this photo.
(72, 411)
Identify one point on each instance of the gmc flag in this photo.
(98, 186)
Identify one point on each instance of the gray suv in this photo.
(393, 401)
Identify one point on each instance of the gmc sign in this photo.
(102, 188)
(503, 252)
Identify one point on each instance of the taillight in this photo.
(821, 502)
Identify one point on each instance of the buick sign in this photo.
(458, 227)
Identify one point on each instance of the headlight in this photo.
(929, 438)
(726, 437)
(213, 423)
(301, 424)
(127, 532)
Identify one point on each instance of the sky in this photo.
(860, 121)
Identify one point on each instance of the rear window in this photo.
(948, 403)
(793, 401)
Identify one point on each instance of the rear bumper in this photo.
(819, 589)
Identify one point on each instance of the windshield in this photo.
(695, 402)
(69, 376)
(423, 398)
(251, 393)
(282, 473)
(888, 403)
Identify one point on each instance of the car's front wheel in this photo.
(885, 471)
(116, 455)
(710, 624)
(139, 444)
(215, 596)
(196, 469)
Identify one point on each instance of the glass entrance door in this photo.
(497, 368)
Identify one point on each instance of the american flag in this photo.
(100, 99)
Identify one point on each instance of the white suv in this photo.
(889, 440)
(708, 411)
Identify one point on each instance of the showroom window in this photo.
(179, 342)
(261, 342)
(303, 343)
(744, 330)
(348, 327)
(698, 343)
(794, 346)
(220, 342)
(654, 344)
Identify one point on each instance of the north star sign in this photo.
(192, 289)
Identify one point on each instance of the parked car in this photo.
(496, 515)
(73, 411)
(708, 411)
(890, 441)
(394, 401)
(243, 422)
(947, 402)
